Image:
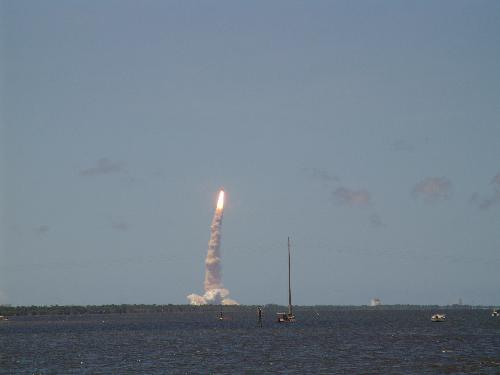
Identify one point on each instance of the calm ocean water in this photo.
(324, 342)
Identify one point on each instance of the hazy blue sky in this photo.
(368, 131)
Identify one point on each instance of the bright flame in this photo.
(220, 201)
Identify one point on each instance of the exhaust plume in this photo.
(215, 293)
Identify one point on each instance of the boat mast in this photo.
(289, 287)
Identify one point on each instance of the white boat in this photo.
(495, 313)
(287, 317)
(438, 318)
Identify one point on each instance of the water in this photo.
(324, 342)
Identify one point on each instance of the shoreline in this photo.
(170, 308)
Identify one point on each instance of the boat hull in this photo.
(438, 318)
(285, 318)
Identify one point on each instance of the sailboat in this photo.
(287, 317)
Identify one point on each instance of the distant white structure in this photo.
(375, 302)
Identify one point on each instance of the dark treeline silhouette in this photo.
(141, 308)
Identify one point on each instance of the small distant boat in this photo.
(287, 317)
(2, 317)
(438, 318)
(495, 313)
(223, 317)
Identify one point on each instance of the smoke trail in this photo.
(215, 293)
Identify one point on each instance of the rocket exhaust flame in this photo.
(215, 293)
(220, 201)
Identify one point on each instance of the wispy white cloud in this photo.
(432, 189)
(103, 166)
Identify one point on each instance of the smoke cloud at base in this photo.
(215, 293)
(212, 297)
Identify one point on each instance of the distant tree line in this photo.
(142, 308)
(90, 309)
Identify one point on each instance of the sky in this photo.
(367, 131)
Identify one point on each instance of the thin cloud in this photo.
(321, 175)
(352, 197)
(496, 181)
(341, 194)
(42, 229)
(432, 189)
(120, 226)
(484, 203)
(103, 166)
(402, 145)
(376, 221)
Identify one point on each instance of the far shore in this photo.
(7, 310)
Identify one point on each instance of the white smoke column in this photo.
(215, 293)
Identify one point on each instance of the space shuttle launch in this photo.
(213, 279)
(215, 293)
